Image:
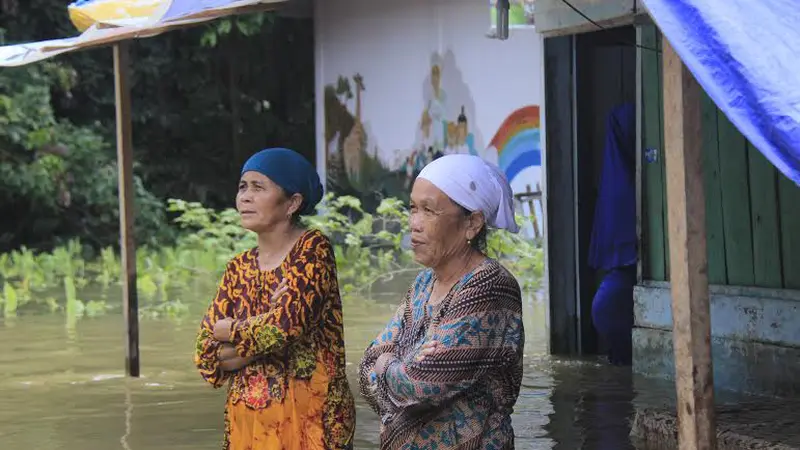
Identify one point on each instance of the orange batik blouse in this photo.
(295, 392)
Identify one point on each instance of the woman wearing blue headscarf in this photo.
(274, 331)
(613, 245)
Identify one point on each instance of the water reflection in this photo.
(63, 388)
(128, 415)
(592, 405)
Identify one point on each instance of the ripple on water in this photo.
(563, 403)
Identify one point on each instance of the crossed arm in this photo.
(225, 345)
(229, 360)
(473, 338)
(214, 358)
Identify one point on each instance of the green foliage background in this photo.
(172, 279)
(204, 99)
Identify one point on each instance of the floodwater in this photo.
(65, 390)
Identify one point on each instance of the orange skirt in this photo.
(292, 424)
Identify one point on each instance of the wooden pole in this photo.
(130, 300)
(691, 318)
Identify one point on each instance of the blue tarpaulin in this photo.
(182, 8)
(746, 55)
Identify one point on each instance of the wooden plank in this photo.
(688, 257)
(665, 216)
(654, 250)
(556, 17)
(735, 203)
(639, 148)
(588, 156)
(765, 221)
(789, 194)
(561, 253)
(715, 235)
(130, 299)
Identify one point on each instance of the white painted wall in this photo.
(391, 44)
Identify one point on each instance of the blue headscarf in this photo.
(291, 171)
(613, 241)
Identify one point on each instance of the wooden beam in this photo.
(130, 300)
(639, 149)
(691, 318)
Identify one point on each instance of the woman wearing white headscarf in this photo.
(446, 371)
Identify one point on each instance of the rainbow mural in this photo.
(518, 141)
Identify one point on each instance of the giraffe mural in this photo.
(356, 141)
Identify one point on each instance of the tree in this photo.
(45, 187)
(204, 99)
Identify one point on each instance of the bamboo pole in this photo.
(691, 318)
(130, 300)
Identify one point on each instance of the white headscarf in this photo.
(476, 185)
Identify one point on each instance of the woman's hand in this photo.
(282, 288)
(229, 360)
(235, 363)
(222, 329)
(227, 351)
(426, 349)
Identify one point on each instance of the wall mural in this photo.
(444, 127)
(518, 142)
(357, 166)
(352, 169)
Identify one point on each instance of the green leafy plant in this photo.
(521, 255)
(245, 25)
(369, 252)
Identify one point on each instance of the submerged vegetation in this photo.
(77, 282)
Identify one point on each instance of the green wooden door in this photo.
(752, 213)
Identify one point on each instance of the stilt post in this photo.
(691, 318)
(130, 301)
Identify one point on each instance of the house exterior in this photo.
(751, 218)
(752, 223)
(399, 83)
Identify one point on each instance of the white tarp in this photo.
(179, 13)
